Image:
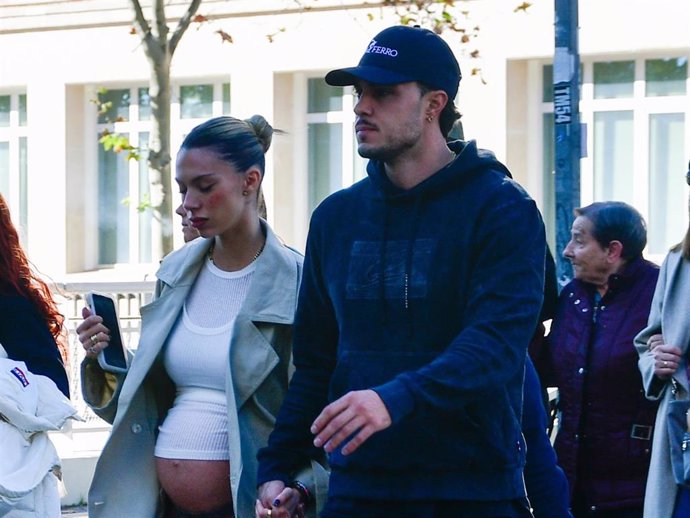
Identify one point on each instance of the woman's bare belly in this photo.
(195, 486)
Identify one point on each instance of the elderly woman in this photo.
(605, 434)
(663, 349)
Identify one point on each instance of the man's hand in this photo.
(360, 412)
(277, 501)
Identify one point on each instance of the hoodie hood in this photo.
(469, 162)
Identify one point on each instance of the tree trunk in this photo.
(159, 157)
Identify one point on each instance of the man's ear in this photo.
(436, 101)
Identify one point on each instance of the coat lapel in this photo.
(176, 276)
(272, 299)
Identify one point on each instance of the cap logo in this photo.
(376, 49)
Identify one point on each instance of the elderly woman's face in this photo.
(588, 257)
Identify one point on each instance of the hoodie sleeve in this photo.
(503, 305)
(314, 354)
(547, 487)
(26, 337)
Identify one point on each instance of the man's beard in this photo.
(389, 151)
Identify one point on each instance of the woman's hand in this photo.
(93, 335)
(277, 501)
(666, 357)
(654, 341)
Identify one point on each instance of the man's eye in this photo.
(383, 92)
(206, 188)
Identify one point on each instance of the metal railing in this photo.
(129, 298)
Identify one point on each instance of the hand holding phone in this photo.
(113, 357)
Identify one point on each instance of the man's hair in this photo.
(617, 221)
(448, 116)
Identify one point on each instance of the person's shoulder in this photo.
(15, 303)
(179, 255)
(290, 253)
(335, 202)
(571, 289)
(650, 268)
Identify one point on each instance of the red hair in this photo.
(16, 276)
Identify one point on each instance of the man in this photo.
(421, 290)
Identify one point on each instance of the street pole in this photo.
(566, 111)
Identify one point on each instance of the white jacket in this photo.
(30, 406)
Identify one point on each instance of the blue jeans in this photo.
(352, 508)
(682, 507)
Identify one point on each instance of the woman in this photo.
(605, 432)
(30, 323)
(188, 231)
(214, 357)
(663, 350)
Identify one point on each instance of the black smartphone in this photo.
(112, 358)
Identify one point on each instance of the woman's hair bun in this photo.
(262, 129)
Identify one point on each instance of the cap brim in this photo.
(350, 76)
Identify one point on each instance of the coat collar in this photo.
(272, 299)
(276, 270)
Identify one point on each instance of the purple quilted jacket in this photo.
(604, 440)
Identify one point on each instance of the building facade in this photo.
(76, 204)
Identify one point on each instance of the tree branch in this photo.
(182, 25)
(144, 30)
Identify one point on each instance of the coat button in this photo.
(593, 508)
(136, 428)
(577, 301)
(581, 370)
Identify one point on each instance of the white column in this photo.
(252, 93)
(46, 174)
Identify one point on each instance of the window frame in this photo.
(13, 134)
(643, 107)
(135, 128)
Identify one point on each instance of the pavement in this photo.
(78, 511)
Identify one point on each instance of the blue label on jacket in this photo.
(19, 374)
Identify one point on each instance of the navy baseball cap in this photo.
(401, 54)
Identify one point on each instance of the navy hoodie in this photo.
(429, 296)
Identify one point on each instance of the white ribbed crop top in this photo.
(196, 358)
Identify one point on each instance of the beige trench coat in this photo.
(669, 315)
(259, 367)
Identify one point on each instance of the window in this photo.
(666, 76)
(13, 157)
(614, 79)
(333, 161)
(636, 112)
(125, 222)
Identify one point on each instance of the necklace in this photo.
(256, 255)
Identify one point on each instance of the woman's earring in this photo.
(429, 118)
(244, 193)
